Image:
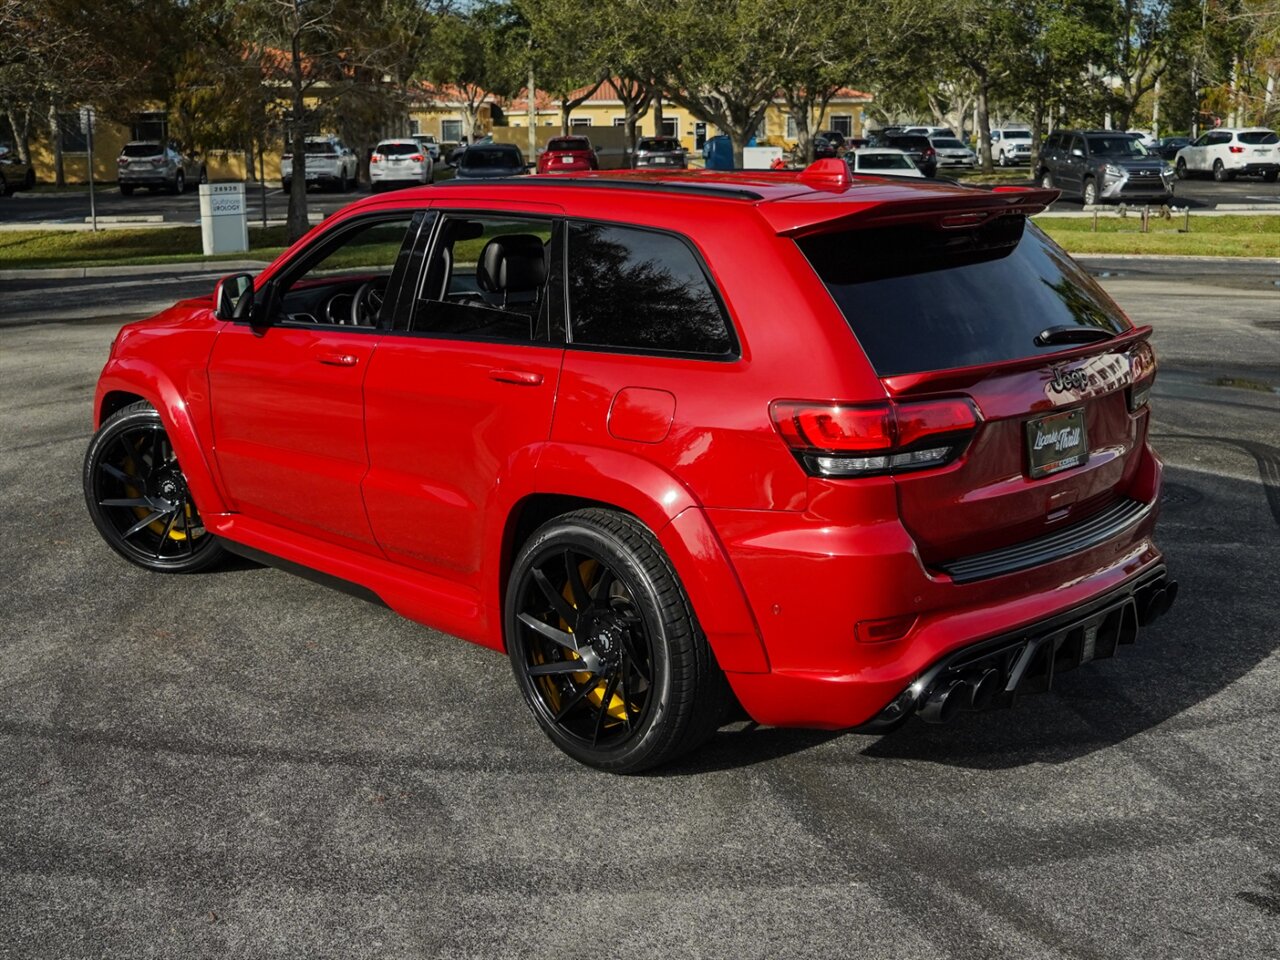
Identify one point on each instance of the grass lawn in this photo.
(1222, 236)
(32, 249)
(1209, 236)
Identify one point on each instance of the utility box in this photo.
(224, 218)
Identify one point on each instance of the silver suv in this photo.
(157, 166)
(329, 163)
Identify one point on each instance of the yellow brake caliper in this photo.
(156, 526)
(587, 570)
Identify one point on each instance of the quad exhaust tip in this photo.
(981, 685)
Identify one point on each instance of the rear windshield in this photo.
(922, 299)
(320, 147)
(659, 144)
(490, 159)
(911, 142)
(398, 149)
(569, 143)
(142, 150)
(884, 161)
(1258, 137)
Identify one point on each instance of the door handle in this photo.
(521, 378)
(338, 359)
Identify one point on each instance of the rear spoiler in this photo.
(870, 203)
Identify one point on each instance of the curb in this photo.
(136, 270)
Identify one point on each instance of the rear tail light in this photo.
(1142, 375)
(417, 158)
(287, 156)
(837, 440)
(376, 158)
(929, 153)
(1236, 149)
(122, 161)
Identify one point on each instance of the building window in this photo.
(575, 122)
(842, 123)
(619, 121)
(71, 137)
(791, 127)
(415, 128)
(451, 130)
(670, 127)
(152, 126)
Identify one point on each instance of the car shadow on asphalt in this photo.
(1217, 534)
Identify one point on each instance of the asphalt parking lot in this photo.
(73, 206)
(243, 763)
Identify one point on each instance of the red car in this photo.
(837, 451)
(568, 155)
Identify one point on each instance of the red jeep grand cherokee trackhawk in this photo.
(845, 450)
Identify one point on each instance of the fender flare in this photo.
(667, 507)
(147, 381)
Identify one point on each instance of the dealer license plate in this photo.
(1056, 442)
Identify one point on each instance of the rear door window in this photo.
(921, 299)
(642, 290)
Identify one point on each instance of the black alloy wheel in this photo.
(138, 498)
(605, 647)
(179, 183)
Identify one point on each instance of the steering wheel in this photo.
(366, 305)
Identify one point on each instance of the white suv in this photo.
(1011, 147)
(1226, 153)
(328, 162)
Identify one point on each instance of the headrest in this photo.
(512, 263)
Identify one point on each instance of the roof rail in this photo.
(722, 191)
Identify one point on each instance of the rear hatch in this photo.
(1259, 146)
(996, 313)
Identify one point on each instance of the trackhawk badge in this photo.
(1064, 380)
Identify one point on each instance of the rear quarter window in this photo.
(1258, 137)
(642, 290)
(920, 299)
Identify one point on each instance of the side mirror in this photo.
(1077, 152)
(233, 297)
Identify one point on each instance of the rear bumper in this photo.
(158, 178)
(1255, 169)
(814, 587)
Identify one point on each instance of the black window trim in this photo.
(306, 259)
(733, 355)
(443, 214)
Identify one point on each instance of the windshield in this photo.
(141, 150)
(569, 143)
(1117, 146)
(1256, 137)
(320, 148)
(919, 298)
(883, 161)
(490, 159)
(1017, 134)
(948, 144)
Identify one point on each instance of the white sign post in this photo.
(86, 127)
(224, 220)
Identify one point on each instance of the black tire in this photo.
(204, 174)
(1089, 192)
(1046, 180)
(1180, 169)
(344, 185)
(138, 498)
(1219, 172)
(126, 190)
(627, 681)
(179, 184)
(1270, 176)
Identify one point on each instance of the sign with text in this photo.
(224, 222)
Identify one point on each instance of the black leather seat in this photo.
(514, 267)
